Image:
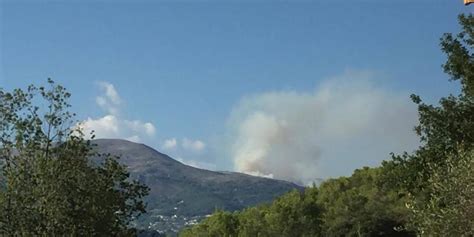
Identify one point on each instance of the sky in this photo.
(294, 90)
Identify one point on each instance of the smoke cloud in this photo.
(346, 123)
(112, 125)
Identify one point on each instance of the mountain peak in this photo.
(178, 190)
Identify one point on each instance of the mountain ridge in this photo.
(180, 194)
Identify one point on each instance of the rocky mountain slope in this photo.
(181, 195)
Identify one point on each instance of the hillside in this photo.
(182, 194)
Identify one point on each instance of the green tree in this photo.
(460, 63)
(295, 214)
(443, 128)
(52, 181)
(252, 222)
(449, 210)
(437, 177)
(220, 224)
(356, 206)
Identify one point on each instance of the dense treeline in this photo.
(429, 192)
(353, 206)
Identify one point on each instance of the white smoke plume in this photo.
(346, 123)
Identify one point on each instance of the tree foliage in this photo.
(293, 214)
(50, 185)
(449, 209)
(352, 206)
(357, 206)
(438, 176)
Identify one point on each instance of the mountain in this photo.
(181, 195)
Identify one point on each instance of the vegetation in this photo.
(438, 177)
(429, 192)
(353, 206)
(298, 211)
(449, 208)
(50, 185)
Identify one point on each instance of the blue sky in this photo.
(200, 71)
